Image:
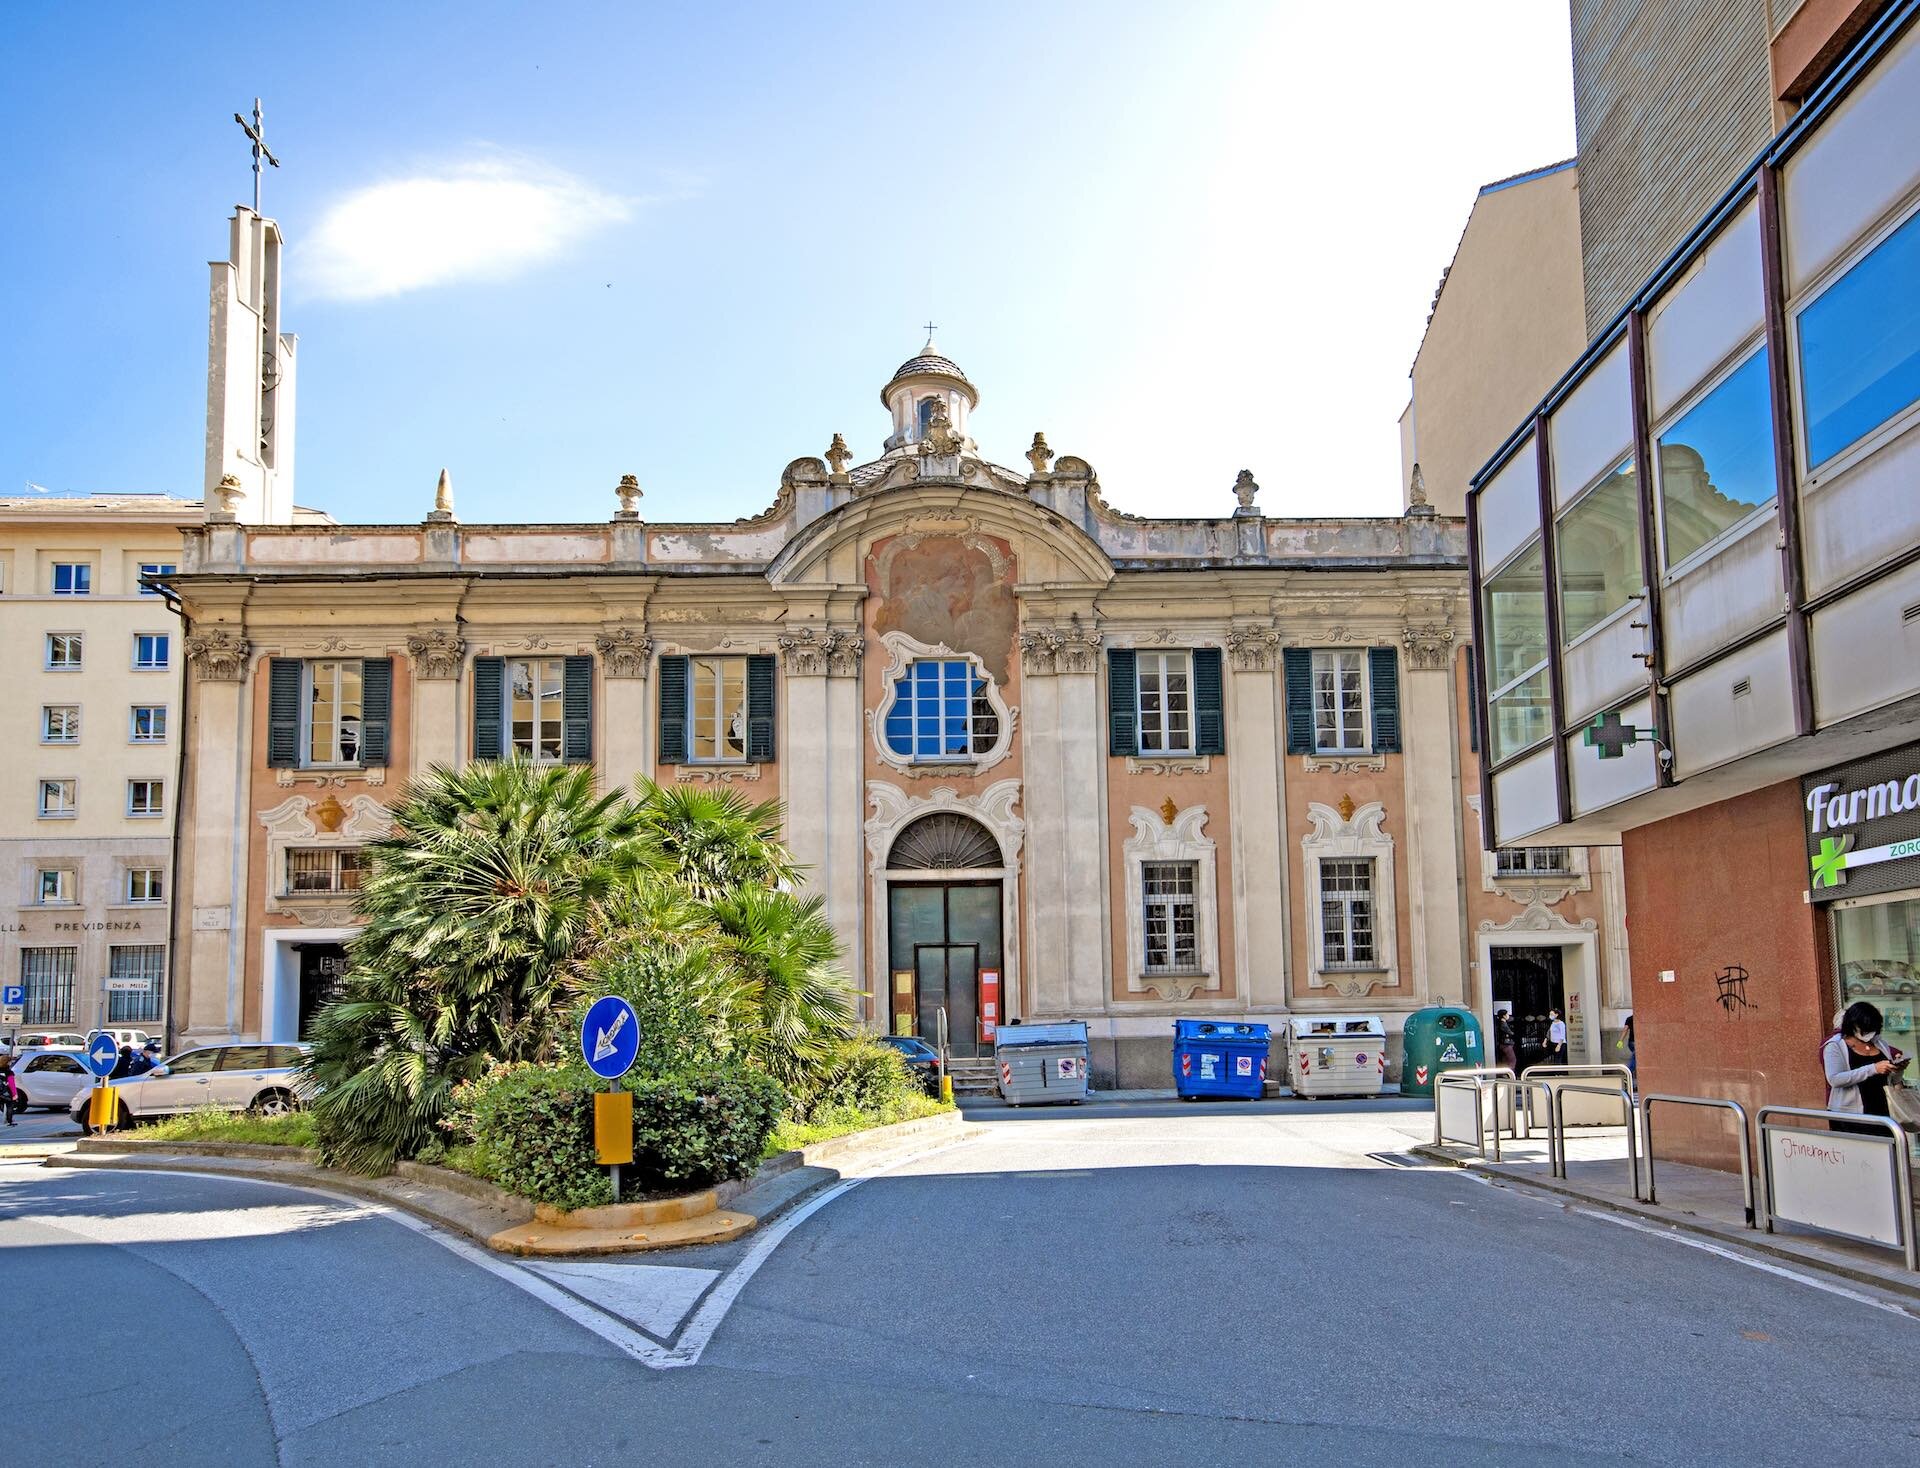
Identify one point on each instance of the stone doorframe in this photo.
(277, 956)
(1538, 927)
(893, 811)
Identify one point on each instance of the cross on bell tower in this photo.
(256, 132)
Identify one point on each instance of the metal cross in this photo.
(257, 132)
(929, 333)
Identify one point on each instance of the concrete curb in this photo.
(488, 1215)
(1753, 1240)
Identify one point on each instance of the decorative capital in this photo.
(838, 456)
(226, 500)
(1039, 455)
(624, 652)
(1253, 648)
(628, 490)
(1069, 649)
(812, 652)
(1429, 648)
(436, 654)
(218, 656)
(1244, 490)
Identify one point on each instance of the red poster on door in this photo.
(989, 1004)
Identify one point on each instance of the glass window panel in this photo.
(60, 724)
(1516, 618)
(1599, 553)
(1860, 346)
(140, 962)
(1716, 462)
(1520, 717)
(47, 975)
(1877, 950)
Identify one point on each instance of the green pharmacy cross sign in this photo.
(1837, 856)
(1614, 736)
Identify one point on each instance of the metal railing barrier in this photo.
(1556, 1106)
(1901, 1159)
(1746, 1147)
(1522, 1123)
(1452, 1081)
(1594, 1071)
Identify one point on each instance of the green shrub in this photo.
(530, 1129)
(858, 1074)
(680, 991)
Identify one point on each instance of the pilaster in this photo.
(1432, 803)
(625, 654)
(217, 855)
(1256, 761)
(438, 655)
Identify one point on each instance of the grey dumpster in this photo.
(1042, 1063)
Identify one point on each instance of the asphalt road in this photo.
(1141, 1284)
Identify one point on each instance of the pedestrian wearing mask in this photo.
(1859, 1068)
(1556, 1038)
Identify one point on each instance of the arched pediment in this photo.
(1050, 548)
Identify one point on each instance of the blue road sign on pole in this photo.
(13, 1003)
(102, 1052)
(610, 1037)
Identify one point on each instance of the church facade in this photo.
(1042, 758)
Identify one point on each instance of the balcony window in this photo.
(536, 688)
(1339, 702)
(1716, 461)
(1598, 543)
(333, 712)
(1860, 346)
(717, 709)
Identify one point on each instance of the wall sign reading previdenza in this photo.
(1863, 826)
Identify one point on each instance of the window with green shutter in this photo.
(489, 683)
(1383, 679)
(760, 699)
(1209, 703)
(576, 710)
(673, 710)
(376, 710)
(283, 713)
(1296, 668)
(1123, 695)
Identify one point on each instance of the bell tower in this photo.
(929, 396)
(250, 376)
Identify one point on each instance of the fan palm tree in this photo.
(713, 840)
(798, 1004)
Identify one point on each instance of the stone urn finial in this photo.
(628, 489)
(1244, 490)
(227, 495)
(838, 455)
(1039, 455)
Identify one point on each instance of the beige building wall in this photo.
(63, 932)
(1506, 321)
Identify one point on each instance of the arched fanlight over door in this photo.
(943, 842)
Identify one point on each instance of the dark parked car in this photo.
(922, 1059)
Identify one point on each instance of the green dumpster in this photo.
(1439, 1039)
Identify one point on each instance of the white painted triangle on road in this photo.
(655, 1297)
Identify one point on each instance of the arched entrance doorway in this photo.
(943, 928)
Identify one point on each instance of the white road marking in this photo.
(655, 1297)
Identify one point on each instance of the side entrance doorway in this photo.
(943, 931)
(322, 967)
(1528, 983)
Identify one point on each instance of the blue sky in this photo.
(546, 246)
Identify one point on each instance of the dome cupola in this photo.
(928, 394)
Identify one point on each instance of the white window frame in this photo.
(1335, 838)
(1156, 840)
(134, 736)
(72, 808)
(72, 732)
(716, 680)
(540, 725)
(65, 886)
(156, 568)
(1348, 898)
(902, 652)
(83, 572)
(333, 863)
(1530, 858)
(78, 643)
(1333, 657)
(1168, 908)
(976, 746)
(156, 789)
(165, 640)
(1159, 667)
(308, 672)
(158, 881)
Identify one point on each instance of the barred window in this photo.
(1522, 861)
(1171, 926)
(133, 983)
(325, 869)
(1346, 913)
(47, 975)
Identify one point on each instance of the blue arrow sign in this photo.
(610, 1037)
(102, 1052)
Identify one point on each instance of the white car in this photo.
(48, 1040)
(137, 1039)
(51, 1078)
(256, 1078)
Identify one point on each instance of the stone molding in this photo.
(1538, 918)
(1169, 764)
(1356, 833)
(437, 654)
(1326, 764)
(1429, 648)
(1254, 649)
(902, 652)
(1068, 649)
(817, 652)
(624, 652)
(218, 656)
(293, 823)
(1183, 838)
(717, 774)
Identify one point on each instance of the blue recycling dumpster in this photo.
(1219, 1058)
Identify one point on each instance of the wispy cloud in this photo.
(485, 219)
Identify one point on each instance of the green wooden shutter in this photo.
(283, 714)
(489, 682)
(576, 710)
(673, 710)
(1296, 666)
(1383, 676)
(1123, 702)
(376, 710)
(1209, 703)
(1473, 702)
(760, 693)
